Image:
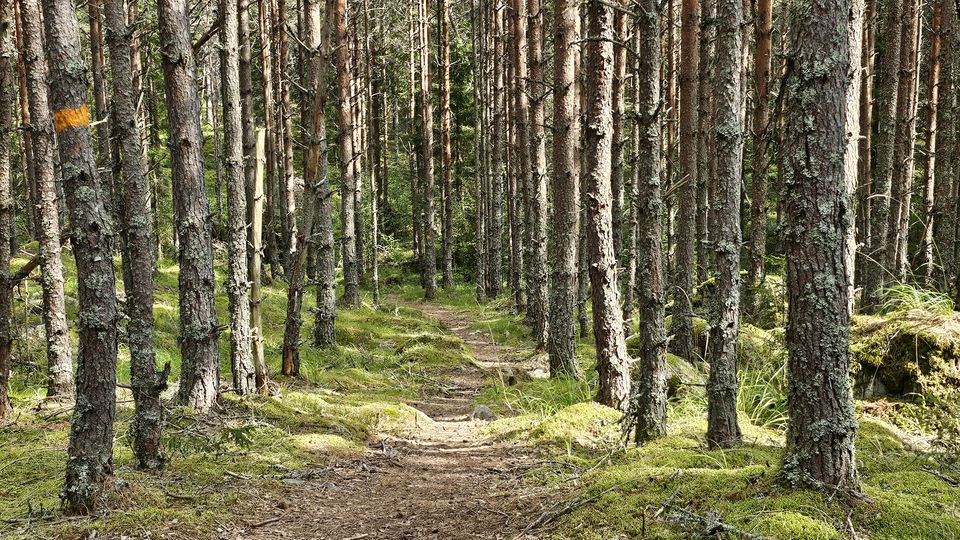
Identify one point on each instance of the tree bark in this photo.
(426, 125)
(101, 113)
(932, 134)
(317, 39)
(820, 436)
(613, 362)
(722, 427)
(257, 202)
(445, 144)
(7, 60)
(865, 172)
(90, 449)
(59, 365)
(887, 89)
(199, 372)
(649, 406)
(565, 219)
(269, 111)
(944, 208)
(681, 325)
(146, 380)
(538, 299)
(497, 172)
(763, 29)
(241, 360)
(351, 276)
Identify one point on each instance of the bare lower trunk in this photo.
(426, 124)
(538, 299)
(760, 161)
(944, 208)
(681, 325)
(146, 380)
(820, 436)
(7, 60)
(241, 360)
(351, 273)
(447, 153)
(199, 372)
(613, 363)
(90, 449)
(649, 401)
(59, 364)
(722, 427)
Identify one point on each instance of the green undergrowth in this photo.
(618, 490)
(344, 398)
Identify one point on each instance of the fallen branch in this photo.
(266, 522)
(570, 506)
(948, 479)
(709, 522)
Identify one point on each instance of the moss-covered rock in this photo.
(915, 352)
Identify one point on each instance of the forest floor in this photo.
(446, 479)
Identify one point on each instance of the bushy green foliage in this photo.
(905, 297)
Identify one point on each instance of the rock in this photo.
(482, 412)
(539, 373)
(511, 376)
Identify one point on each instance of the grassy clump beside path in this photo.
(344, 398)
(618, 491)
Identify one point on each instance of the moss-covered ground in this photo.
(344, 398)
(619, 490)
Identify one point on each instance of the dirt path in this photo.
(445, 480)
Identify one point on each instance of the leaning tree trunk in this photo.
(681, 325)
(317, 38)
(351, 274)
(199, 371)
(90, 450)
(241, 359)
(649, 402)
(722, 427)
(146, 380)
(7, 60)
(59, 365)
(565, 218)
(820, 436)
(613, 362)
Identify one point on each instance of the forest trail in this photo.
(445, 480)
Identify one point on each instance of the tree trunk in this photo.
(317, 38)
(101, 113)
(257, 202)
(763, 29)
(613, 362)
(7, 61)
(538, 299)
(146, 380)
(619, 139)
(865, 172)
(426, 147)
(887, 91)
(565, 219)
(59, 365)
(681, 325)
(903, 150)
(706, 145)
(820, 436)
(944, 208)
(351, 276)
(497, 172)
(446, 150)
(722, 428)
(241, 361)
(199, 372)
(90, 450)
(521, 156)
(649, 407)
(269, 111)
(285, 179)
(932, 133)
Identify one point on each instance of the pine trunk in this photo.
(138, 259)
(241, 360)
(722, 427)
(7, 92)
(426, 147)
(351, 276)
(199, 372)
(90, 450)
(446, 149)
(613, 362)
(539, 308)
(649, 407)
(59, 364)
(820, 436)
(763, 29)
(944, 208)
(681, 326)
(565, 219)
